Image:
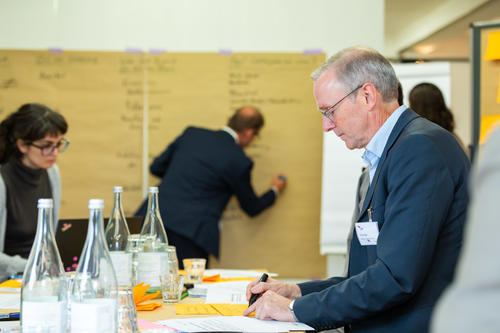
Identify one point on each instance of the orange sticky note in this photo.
(493, 47)
(212, 278)
(148, 307)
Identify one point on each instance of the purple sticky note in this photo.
(56, 50)
(225, 52)
(157, 51)
(133, 50)
(312, 52)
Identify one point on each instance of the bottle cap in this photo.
(117, 189)
(153, 189)
(45, 203)
(96, 204)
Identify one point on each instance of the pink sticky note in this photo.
(144, 324)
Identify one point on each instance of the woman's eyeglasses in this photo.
(46, 150)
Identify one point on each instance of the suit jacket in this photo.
(362, 188)
(200, 172)
(471, 302)
(418, 196)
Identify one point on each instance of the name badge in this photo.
(367, 233)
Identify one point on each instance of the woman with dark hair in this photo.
(427, 100)
(30, 141)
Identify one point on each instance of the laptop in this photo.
(71, 235)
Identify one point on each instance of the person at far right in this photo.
(427, 100)
(408, 233)
(472, 301)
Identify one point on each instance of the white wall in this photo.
(191, 25)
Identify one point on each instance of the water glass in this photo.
(135, 244)
(127, 313)
(171, 287)
(193, 269)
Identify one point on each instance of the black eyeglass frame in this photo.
(62, 145)
(328, 113)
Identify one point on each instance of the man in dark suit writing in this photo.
(408, 232)
(200, 172)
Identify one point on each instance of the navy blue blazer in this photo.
(200, 172)
(418, 196)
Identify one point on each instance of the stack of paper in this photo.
(233, 324)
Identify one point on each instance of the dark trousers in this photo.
(185, 248)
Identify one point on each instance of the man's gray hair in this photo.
(355, 66)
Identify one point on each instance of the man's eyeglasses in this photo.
(328, 113)
(46, 150)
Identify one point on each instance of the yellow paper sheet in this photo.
(194, 309)
(498, 93)
(227, 309)
(488, 123)
(493, 47)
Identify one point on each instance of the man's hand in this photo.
(279, 183)
(271, 306)
(290, 291)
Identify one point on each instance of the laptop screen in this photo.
(71, 234)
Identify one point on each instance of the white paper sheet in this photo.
(233, 292)
(235, 273)
(233, 324)
(10, 301)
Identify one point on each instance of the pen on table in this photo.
(254, 297)
(9, 316)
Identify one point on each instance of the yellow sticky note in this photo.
(488, 123)
(194, 309)
(227, 309)
(11, 284)
(493, 47)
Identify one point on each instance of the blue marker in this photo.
(9, 316)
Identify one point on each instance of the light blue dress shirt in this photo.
(375, 147)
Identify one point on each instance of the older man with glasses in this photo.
(408, 233)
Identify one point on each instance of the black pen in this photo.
(255, 297)
(9, 316)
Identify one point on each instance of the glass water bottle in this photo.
(117, 234)
(152, 261)
(44, 289)
(94, 290)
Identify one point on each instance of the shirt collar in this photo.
(231, 132)
(376, 146)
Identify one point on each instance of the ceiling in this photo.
(433, 29)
